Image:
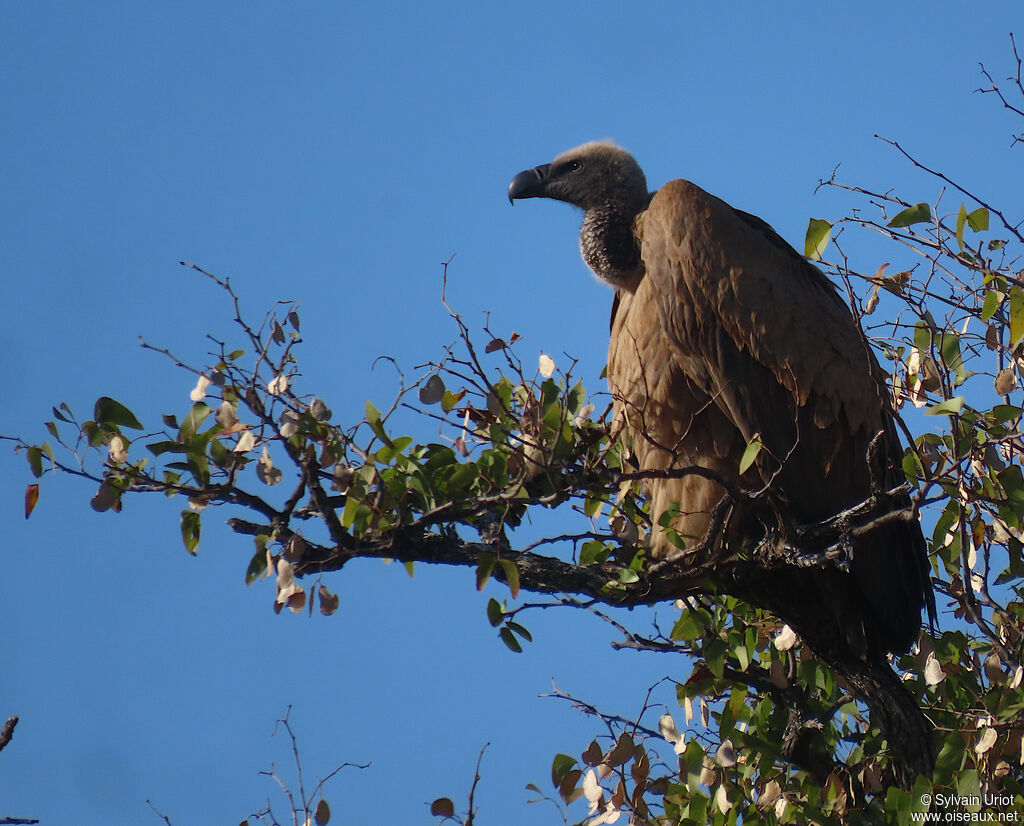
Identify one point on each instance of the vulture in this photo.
(722, 335)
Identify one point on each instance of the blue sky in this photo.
(336, 154)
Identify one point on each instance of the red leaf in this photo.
(31, 497)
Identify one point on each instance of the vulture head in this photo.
(607, 183)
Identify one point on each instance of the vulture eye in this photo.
(574, 166)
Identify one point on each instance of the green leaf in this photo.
(190, 528)
(60, 415)
(193, 421)
(946, 407)
(951, 758)
(560, 767)
(923, 335)
(593, 551)
(389, 452)
(156, 448)
(751, 452)
(978, 220)
(993, 298)
(35, 460)
(516, 628)
(917, 214)
(628, 577)
(258, 563)
(1016, 316)
(495, 613)
(819, 233)
(108, 411)
(511, 572)
(510, 640)
(949, 349)
(961, 222)
(484, 566)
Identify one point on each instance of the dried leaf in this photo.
(265, 470)
(246, 442)
(593, 755)
(442, 807)
(708, 772)
(1006, 380)
(726, 754)
(933, 673)
(329, 601)
(769, 794)
(786, 639)
(495, 344)
(546, 365)
(622, 751)
(278, 385)
(105, 499)
(341, 479)
(872, 303)
(432, 391)
(986, 739)
(117, 451)
(777, 674)
(227, 416)
(722, 800)
(322, 815)
(289, 424)
(320, 411)
(993, 668)
(31, 497)
(592, 790)
(199, 391)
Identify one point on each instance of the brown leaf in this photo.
(31, 497)
(322, 814)
(726, 754)
(328, 602)
(442, 807)
(593, 755)
(495, 344)
(433, 391)
(567, 786)
(622, 752)
(297, 600)
(1005, 381)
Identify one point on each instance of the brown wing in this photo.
(765, 335)
(669, 421)
(735, 317)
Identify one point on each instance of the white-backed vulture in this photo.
(721, 333)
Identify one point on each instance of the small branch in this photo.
(7, 731)
(159, 814)
(471, 816)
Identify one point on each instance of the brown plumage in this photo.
(721, 333)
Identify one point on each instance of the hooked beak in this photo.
(529, 183)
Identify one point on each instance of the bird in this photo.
(724, 339)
